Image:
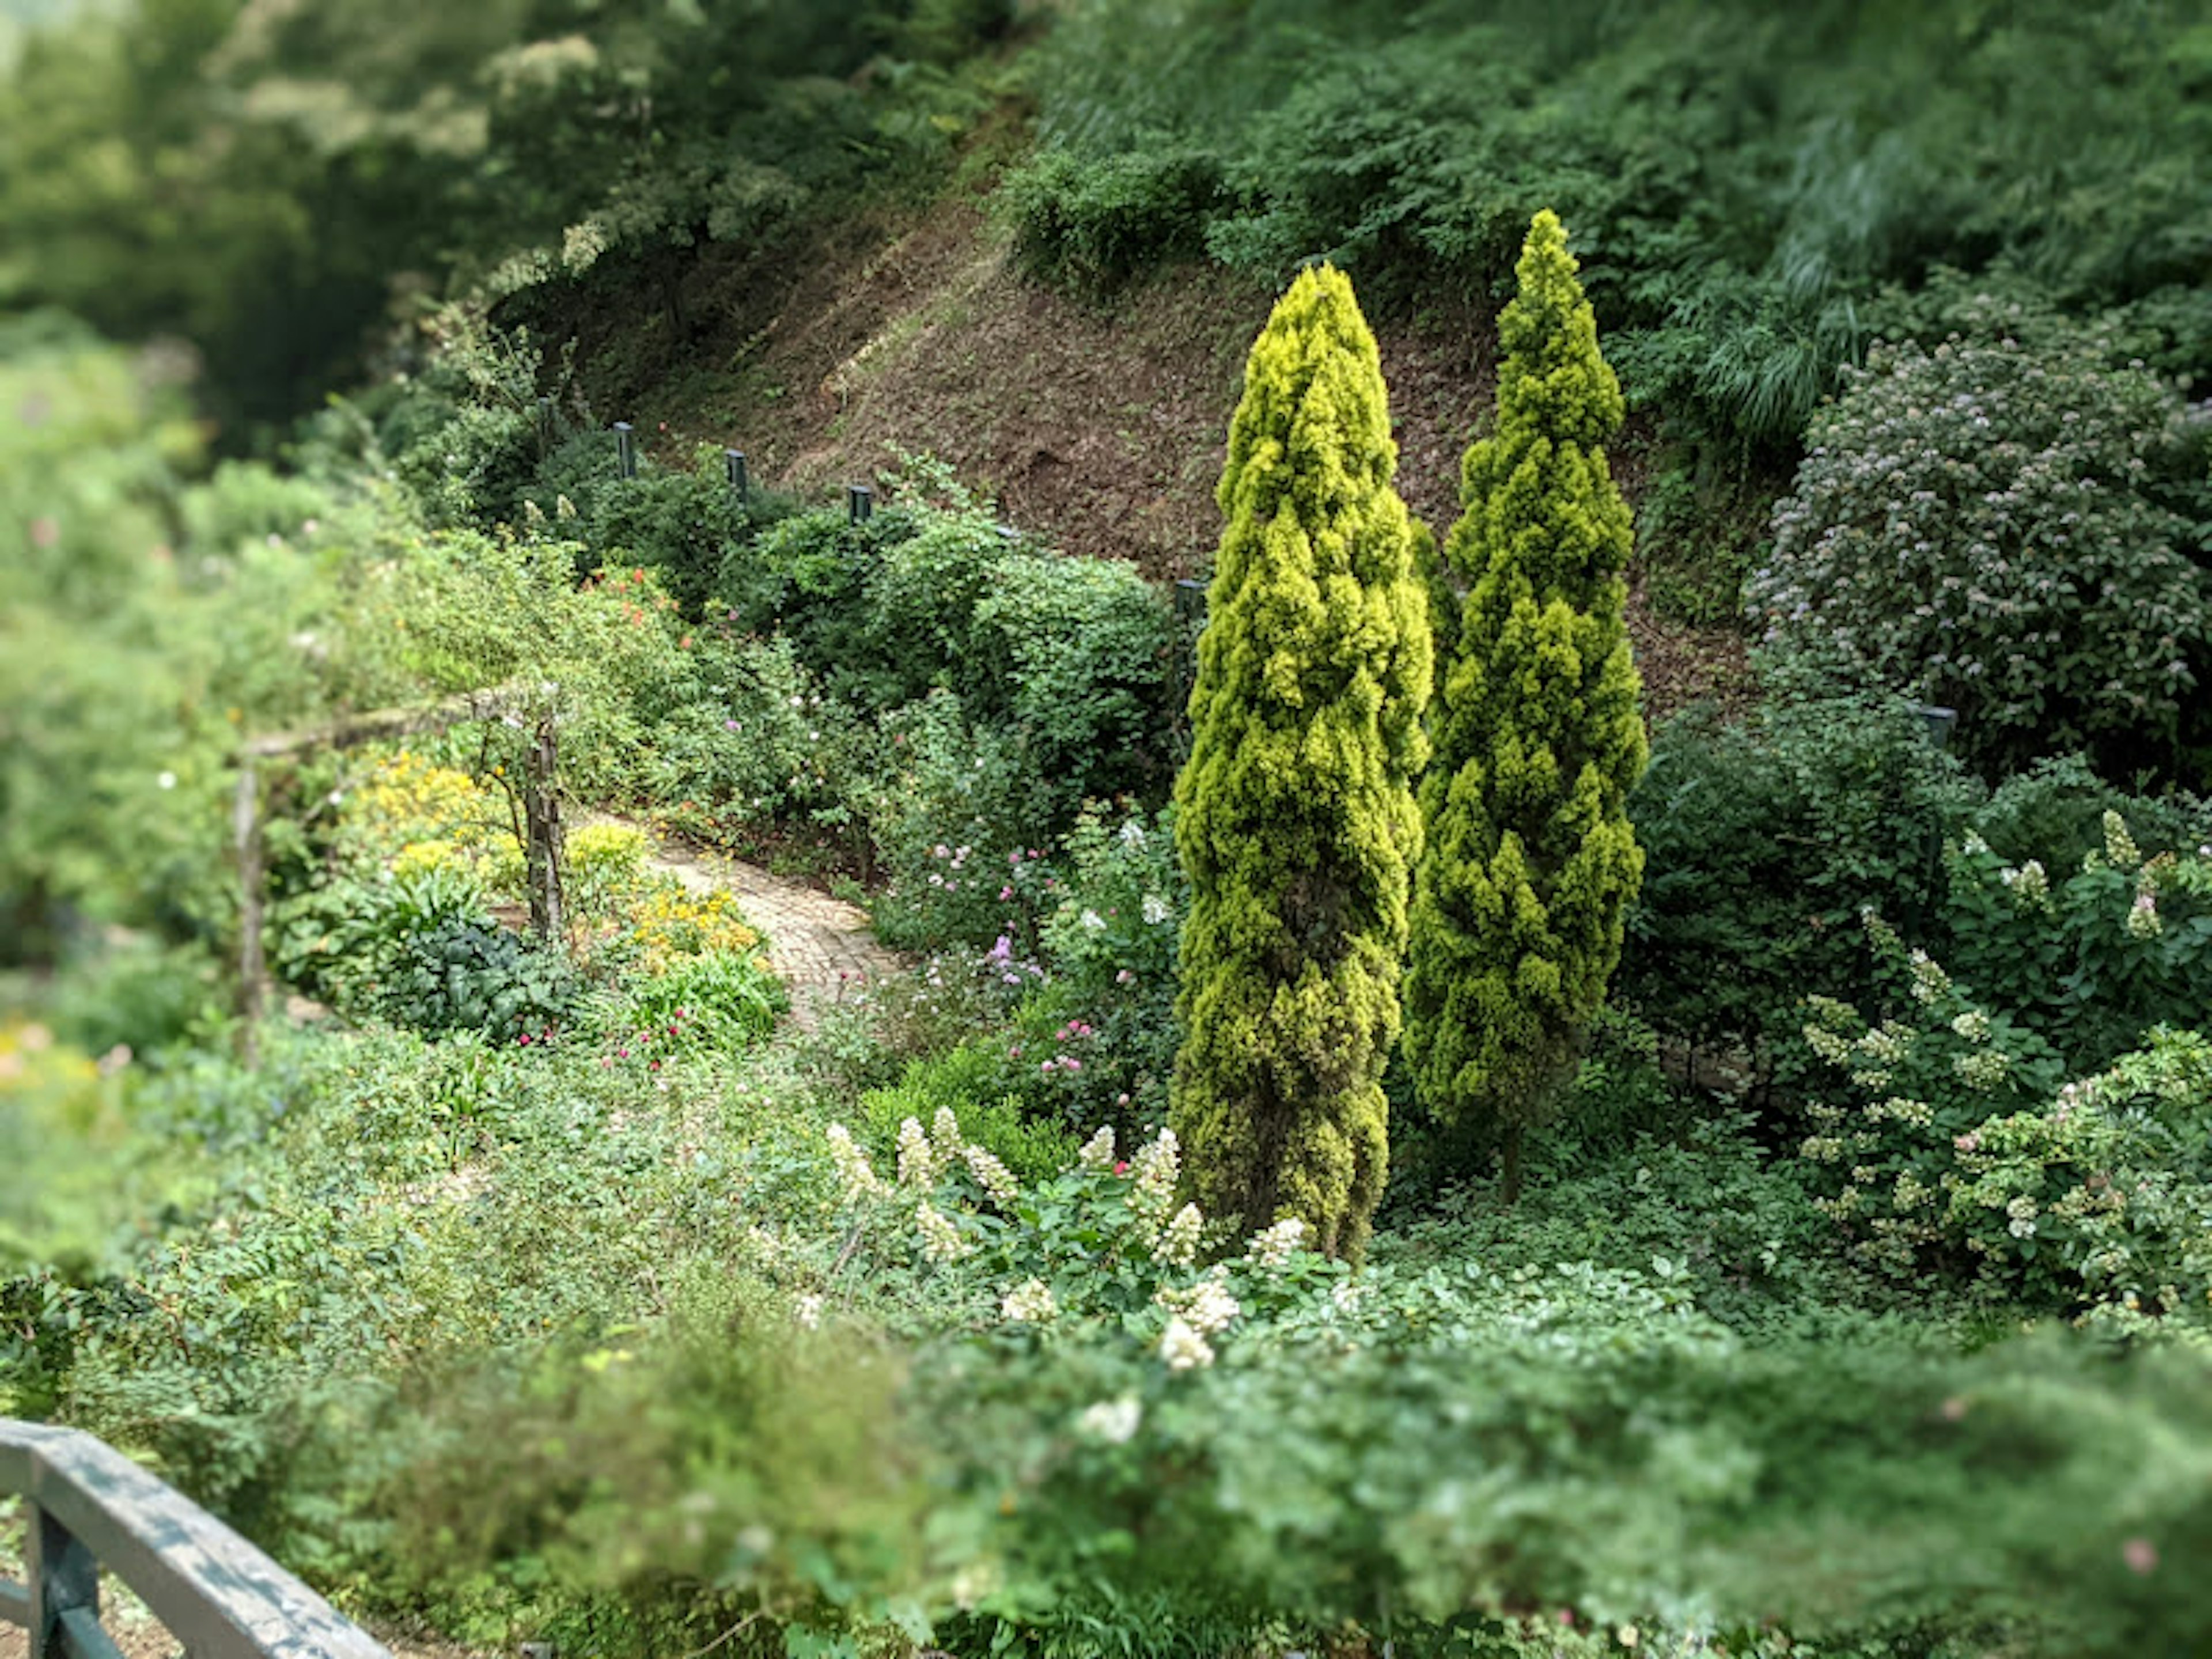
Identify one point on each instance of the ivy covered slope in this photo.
(1531, 863)
(1296, 817)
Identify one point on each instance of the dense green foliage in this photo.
(1992, 525)
(265, 182)
(1295, 813)
(563, 1290)
(1529, 862)
(1758, 190)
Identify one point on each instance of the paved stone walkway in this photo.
(820, 947)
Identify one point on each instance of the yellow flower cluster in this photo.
(418, 815)
(672, 923)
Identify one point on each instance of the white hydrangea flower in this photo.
(1179, 1239)
(2119, 845)
(1029, 1303)
(940, 1239)
(1153, 1173)
(1113, 1421)
(945, 1137)
(992, 1175)
(2142, 916)
(1348, 1294)
(857, 1174)
(1929, 981)
(1271, 1247)
(1132, 834)
(1182, 1348)
(1097, 1153)
(1156, 909)
(917, 1160)
(807, 1310)
(1092, 922)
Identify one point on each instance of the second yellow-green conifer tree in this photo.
(1530, 864)
(1296, 818)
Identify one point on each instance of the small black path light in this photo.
(625, 451)
(860, 503)
(1190, 602)
(1941, 722)
(544, 424)
(733, 468)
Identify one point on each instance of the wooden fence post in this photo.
(541, 811)
(245, 833)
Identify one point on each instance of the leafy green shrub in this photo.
(2054, 812)
(1981, 525)
(981, 1086)
(1093, 223)
(1075, 654)
(1110, 935)
(1960, 1132)
(2091, 960)
(956, 805)
(719, 1000)
(1763, 841)
(465, 974)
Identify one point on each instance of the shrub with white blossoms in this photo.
(1102, 1248)
(2094, 962)
(1959, 1129)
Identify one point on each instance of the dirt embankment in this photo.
(1101, 423)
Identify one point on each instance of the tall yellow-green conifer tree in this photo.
(1529, 864)
(1296, 818)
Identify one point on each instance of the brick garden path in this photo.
(820, 947)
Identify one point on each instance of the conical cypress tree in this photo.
(1295, 815)
(1529, 863)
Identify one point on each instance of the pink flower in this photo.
(2140, 1555)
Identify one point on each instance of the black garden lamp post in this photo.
(625, 451)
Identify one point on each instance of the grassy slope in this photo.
(1102, 424)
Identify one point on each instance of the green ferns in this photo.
(1296, 818)
(1530, 863)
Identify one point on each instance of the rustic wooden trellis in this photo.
(541, 807)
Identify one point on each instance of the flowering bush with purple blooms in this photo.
(1990, 525)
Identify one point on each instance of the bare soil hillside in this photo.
(1100, 423)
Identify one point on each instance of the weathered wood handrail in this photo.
(219, 1596)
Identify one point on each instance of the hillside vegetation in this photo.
(1522, 686)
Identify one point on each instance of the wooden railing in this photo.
(90, 1508)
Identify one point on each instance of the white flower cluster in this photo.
(1097, 1153)
(1153, 1173)
(1929, 981)
(945, 1137)
(1179, 1239)
(1984, 1069)
(2023, 1209)
(1156, 909)
(1114, 1421)
(857, 1174)
(2142, 916)
(2030, 885)
(1029, 1303)
(917, 1159)
(807, 1310)
(1183, 1349)
(2120, 850)
(990, 1175)
(1273, 1246)
(1194, 1313)
(940, 1239)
